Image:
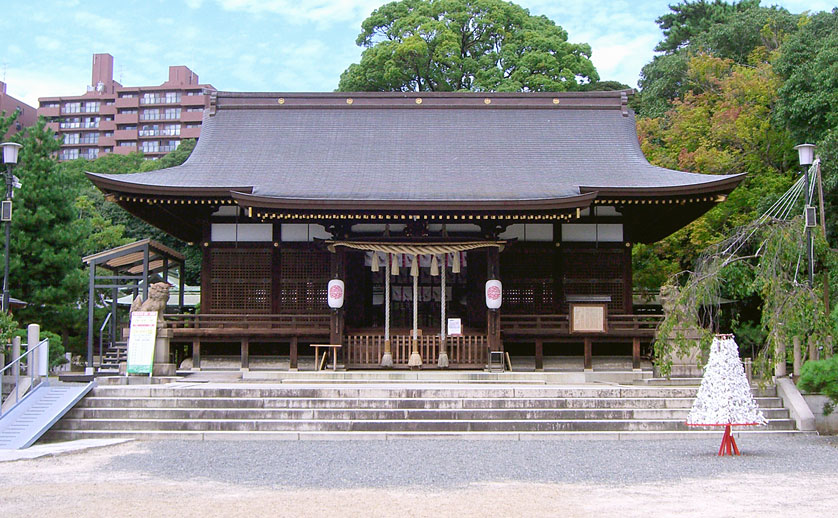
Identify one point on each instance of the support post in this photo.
(827, 348)
(589, 363)
(196, 354)
(15, 353)
(91, 293)
(145, 272)
(338, 267)
(798, 361)
(813, 349)
(780, 366)
(635, 353)
(539, 354)
(292, 365)
(245, 352)
(493, 315)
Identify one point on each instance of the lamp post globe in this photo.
(806, 156)
(10, 155)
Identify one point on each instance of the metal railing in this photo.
(101, 330)
(31, 373)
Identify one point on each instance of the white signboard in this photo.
(455, 327)
(141, 342)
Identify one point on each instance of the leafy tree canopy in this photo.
(808, 103)
(732, 31)
(477, 45)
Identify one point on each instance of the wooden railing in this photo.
(238, 322)
(621, 325)
(365, 350)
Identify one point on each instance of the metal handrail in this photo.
(101, 329)
(30, 372)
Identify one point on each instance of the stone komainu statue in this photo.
(158, 296)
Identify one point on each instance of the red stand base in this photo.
(728, 446)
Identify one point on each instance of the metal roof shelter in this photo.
(130, 267)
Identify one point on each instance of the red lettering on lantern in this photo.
(336, 291)
(493, 293)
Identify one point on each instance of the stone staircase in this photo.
(393, 410)
(116, 352)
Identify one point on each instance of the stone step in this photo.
(358, 414)
(395, 403)
(530, 425)
(66, 435)
(395, 391)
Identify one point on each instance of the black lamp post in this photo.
(10, 152)
(806, 155)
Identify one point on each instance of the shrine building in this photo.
(417, 229)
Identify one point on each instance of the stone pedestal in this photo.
(161, 366)
(686, 365)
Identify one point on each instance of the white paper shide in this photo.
(725, 395)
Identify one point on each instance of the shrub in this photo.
(822, 377)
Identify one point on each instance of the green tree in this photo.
(46, 238)
(731, 31)
(725, 128)
(808, 98)
(110, 222)
(808, 103)
(453, 45)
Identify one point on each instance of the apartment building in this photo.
(9, 105)
(111, 118)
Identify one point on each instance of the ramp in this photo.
(38, 412)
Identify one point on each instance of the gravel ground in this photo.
(776, 476)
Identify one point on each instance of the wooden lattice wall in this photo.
(527, 271)
(240, 280)
(596, 271)
(304, 277)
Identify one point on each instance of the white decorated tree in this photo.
(725, 397)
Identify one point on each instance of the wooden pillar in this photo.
(196, 354)
(206, 272)
(91, 295)
(493, 315)
(813, 349)
(293, 363)
(628, 292)
(796, 355)
(589, 365)
(276, 270)
(635, 353)
(245, 344)
(338, 271)
(539, 354)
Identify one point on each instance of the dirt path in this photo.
(83, 485)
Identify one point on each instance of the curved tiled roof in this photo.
(411, 149)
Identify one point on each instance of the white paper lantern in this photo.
(336, 292)
(494, 294)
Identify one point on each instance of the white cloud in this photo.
(322, 12)
(194, 4)
(46, 43)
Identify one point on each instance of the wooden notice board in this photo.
(589, 318)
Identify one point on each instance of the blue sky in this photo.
(265, 45)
